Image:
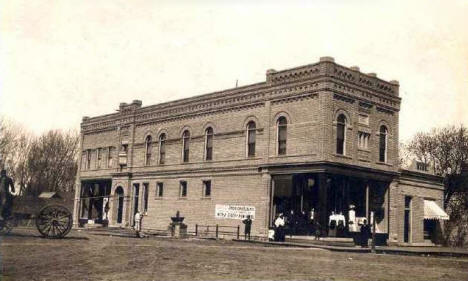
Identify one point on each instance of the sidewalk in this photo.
(420, 251)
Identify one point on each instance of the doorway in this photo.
(120, 199)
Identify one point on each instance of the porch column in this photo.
(110, 214)
(126, 212)
(77, 204)
(323, 201)
(367, 202)
(267, 183)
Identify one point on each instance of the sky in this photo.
(62, 60)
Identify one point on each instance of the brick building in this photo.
(319, 139)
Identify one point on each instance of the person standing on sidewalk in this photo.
(248, 227)
(365, 234)
(137, 227)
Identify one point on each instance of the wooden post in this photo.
(373, 232)
(238, 232)
(367, 202)
(216, 231)
(196, 229)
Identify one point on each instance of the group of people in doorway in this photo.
(306, 224)
(292, 223)
(295, 223)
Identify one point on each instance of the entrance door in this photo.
(120, 197)
(429, 230)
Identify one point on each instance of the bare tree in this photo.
(52, 162)
(14, 149)
(447, 149)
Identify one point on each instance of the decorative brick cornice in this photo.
(289, 85)
(328, 68)
(385, 110)
(343, 98)
(295, 98)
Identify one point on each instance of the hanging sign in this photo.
(235, 212)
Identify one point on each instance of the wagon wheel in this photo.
(54, 221)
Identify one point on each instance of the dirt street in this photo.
(81, 256)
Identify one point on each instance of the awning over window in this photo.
(432, 211)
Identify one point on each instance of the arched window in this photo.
(209, 143)
(149, 149)
(282, 124)
(383, 144)
(251, 138)
(341, 134)
(185, 145)
(162, 148)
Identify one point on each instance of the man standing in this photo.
(365, 233)
(137, 227)
(279, 231)
(248, 226)
(6, 199)
(317, 230)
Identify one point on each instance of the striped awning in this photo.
(432, 211)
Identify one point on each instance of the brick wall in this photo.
(418, 190)
(246, 189)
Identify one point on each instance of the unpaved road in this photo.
(82, 256)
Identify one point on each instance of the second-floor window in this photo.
(363, 140)
(88, 159)
(383, 144)
(162, 148)
(340, 134)
(110, 155)
(282, 125)
(251, 138)
(209, 143)
(99, 158)
(149, 149)
(186, 146)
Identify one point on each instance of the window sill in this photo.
(384, 163)
(158, 198)
(206, 198)
(342, 156)
(364, 150)
(182, 198)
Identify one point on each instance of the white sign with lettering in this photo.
(234, 212)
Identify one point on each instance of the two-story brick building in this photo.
(319, 139)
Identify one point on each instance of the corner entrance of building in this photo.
(338, 205)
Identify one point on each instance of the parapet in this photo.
(328, 59)
(124, 107)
